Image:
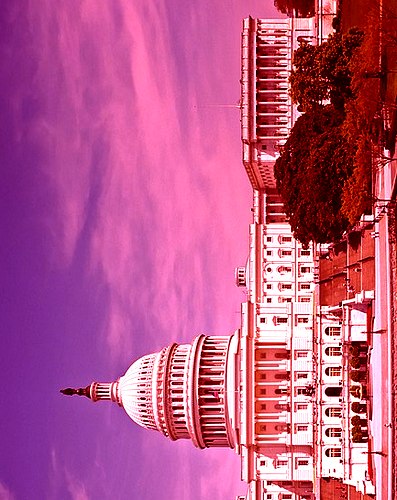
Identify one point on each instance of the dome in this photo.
(185, 391)
(136, 391)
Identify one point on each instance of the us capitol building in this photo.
(277, 390)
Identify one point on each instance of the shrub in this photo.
(355, 421)
(357, 376)
(357, 438)
(355, 362)
(354, 351)
(358, 407)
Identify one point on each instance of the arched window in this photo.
(333, 371)
(333, 331)
(335, 432)
(334, 411)
(333, 392)
(333, 351)
(333, 452)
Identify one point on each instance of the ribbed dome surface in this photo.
(136, 391)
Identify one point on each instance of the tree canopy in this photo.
(310, 173)
(321, 72)
(300, 8)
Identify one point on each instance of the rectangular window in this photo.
(268, 300)
(301, 375)
(263, 320)
(286, 239)
(286, 496)
(280, 320)
(304, 286)
(304, 252)
(300, 391)
(269, 286)
(286, 286)
(286, 253)
(302, 319)
(269, 252)
(302, 428)
(301, 354)
(282, 462)
(305, 269)
(304, 299)
(301, 406)
(302, 462)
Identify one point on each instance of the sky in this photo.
(124, 211)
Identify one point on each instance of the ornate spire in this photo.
(97, 391)
(83, 391)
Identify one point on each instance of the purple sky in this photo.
(125, 209)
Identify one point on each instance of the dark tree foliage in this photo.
(321, 72)
(311, 171)
(299, 8)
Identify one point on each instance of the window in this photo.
(333, 351)
(268, 239)
(286, 496)
(333, 452)
(304, 286)
(263, 320)
(268, 300)
(286, 253)
(269, 269)
(302, 462)
(285, 299)
(269, 252)
(282, 376)
(281, 407)
(300, 391)
(333, 391)
(269, 496)
(333, 371)
(286, 286)
(334, 411)
(333, 432)
(284, 269)
(286, 239)
(302, 428)
(301, 354)
(282, 390)
(302, 319)
(282, 462)
(301, 375)
(304, 252)
(269, 286)
(333, 331)
(305, 269)
(263, 463)
(280, 320)
(304, 299)
(301, 406)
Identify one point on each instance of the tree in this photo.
(321, 72)
(310, 174)
(299, 8)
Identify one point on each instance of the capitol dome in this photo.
(185, 391)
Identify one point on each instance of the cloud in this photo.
(138, 176)
(5, 492)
